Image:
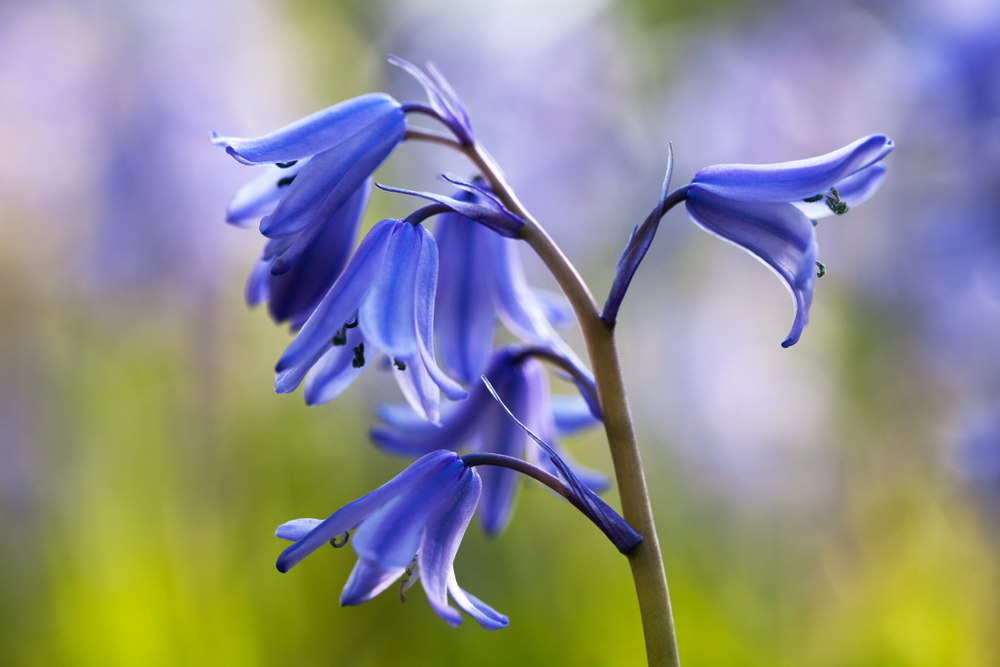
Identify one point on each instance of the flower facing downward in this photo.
(480, 424)
(383, 301)
(418, 516)
(766, 209)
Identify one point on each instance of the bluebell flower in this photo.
(382, 301)
(292, 294)
(479, 424)
(482, 280)
(769, 209)
(419, 517)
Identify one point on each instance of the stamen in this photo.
(400, 364)
(409, 578)
(351, 325)
(287, 180)
(285, 165)
(340, 338)
(345, 537)
(835, 203)
(820, 269)
(810, 200)
(359, 356)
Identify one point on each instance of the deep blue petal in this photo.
(779, 235)
(387, 314)
(331, 177)
(464, 319)
(334, 311)
(855, 189)
(443, 102)
(391, 535)
(458, 426)
(792, 181)
(313, 134)
(500, 435)
(296, 292)
(456, 105)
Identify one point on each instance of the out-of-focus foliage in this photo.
(813, 504)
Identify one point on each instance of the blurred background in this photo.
(833, 504)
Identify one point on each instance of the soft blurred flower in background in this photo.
(830, 504)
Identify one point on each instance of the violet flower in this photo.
(418, 517)
(383, 301)
(766, 209)
(480, 424)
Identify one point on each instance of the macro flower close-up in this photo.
(464, 231)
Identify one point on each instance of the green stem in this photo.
(645, 560)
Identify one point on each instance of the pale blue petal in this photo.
(256, 289)
(441, 541)
(367, 580)
(331, 177)
(779, 235)
(571, 415)
(413, 436)
(855, 189)
(484, 614)
(555, 307)
(295, 530)
(335, 371)
(419, 389)
(340, 303)
(316, 133)
(792, 181)
(259, 197)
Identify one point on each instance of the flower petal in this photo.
(340, 303)
(350, 515)
(331, 177)
(415, 436)
(296, 529)
(368, 579)
(779, 235)
(391, 535)
(464, 319)
(451, 111)
(259, 197)
(555, 307)
(500, 435)
(315, 133)
(387, 314)
(314, 269)
(792, 181)
(571, 415)
(484, 614)
(855, 189)
(256, 288)
(335, 370)
(419, 389)
(440, 543)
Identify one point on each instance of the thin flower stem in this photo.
(645, 560)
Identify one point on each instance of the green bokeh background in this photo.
(148, 463)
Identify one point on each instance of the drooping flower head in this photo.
(419, 517)
(768, 210)
(383, 301)
(480, 424)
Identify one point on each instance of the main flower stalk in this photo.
(645, 559)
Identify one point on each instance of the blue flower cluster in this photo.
(403, 286)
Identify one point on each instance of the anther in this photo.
(408, 579)
(820, 269)
(400, 364)
(285, 165)
(353, 324)
(836, 204)
(810, 200)
(345, 536)
(340, 338)
(287, 180)
(359, 356)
